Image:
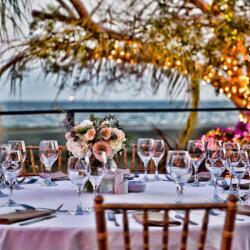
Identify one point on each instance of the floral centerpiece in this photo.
(240, 133)
(90, 137)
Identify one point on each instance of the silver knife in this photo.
(37, 220)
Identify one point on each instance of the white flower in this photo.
(77, 148)
(116, 145)
(83, 124)
(119, 134)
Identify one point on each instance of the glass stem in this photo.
(11, 187)
(145, 168)
(48, 175)
(215, 187)
(79, 194)
(195, 175)
(238, 186)
(156, 168)
(231, 182)
(179, 192)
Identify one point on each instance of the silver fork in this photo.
(111, 217)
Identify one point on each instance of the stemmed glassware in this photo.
(216, 155)
(181, 171)
(230, 147)
(11, 167)
(196, 151)
(246, 148)
(238, 166)
(145, 150)
(3, 149)
(158, 153)
(79, 171)
(48, 151)
(19, 145)
(97, 172)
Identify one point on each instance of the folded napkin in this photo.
(22, 216)
(244, 210)
(57, 176)
(155, 219)
(202, 176)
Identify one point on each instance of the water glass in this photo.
(170, 154)
(246, 148)
(238, 166)
(3, 149)
(158, 153)
(11, 167)
(145, 149)
(229, 147)
(48, 151)
(181, 171)
(79, 170)
(216, 168)
(196, 151)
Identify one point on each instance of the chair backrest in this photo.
(33, 165)
(227, 236)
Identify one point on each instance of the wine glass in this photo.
(246, 148)
(196, 151)
(169, 159)
(145, 152)
(181, 171)
(208, 144)
(11, 167)
(238, 166)
(48, 151)
(229, 147)
(216, 168)
(97, 171)
(3, 149)
(79, 171)
(158, 153)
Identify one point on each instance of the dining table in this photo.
(71, 232)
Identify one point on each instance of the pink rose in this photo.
(105, 133)
(68, 136)
(90, 134)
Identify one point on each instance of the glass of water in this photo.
(79, 170)
(11, 167)
(145, 150)
(48, 151)
(181, 171)
(158, 153)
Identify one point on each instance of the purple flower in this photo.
(240, 128)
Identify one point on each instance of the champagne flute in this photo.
(158, 153)
(11, 166)
(97, 171)
(79, 171)
(145, 152)
(196, 151)
(216, 168)
(238, 166)
(48, 151)
(229, 147)
(181, 171)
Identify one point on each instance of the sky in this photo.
(36, 88)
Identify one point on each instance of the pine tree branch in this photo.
(66, 7)
(202, 5)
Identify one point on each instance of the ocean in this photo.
(132, 121)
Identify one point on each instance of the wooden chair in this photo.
(33, 165)
(227, 236)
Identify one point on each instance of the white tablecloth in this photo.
(68, 232)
